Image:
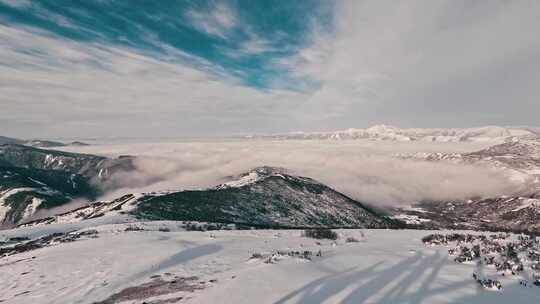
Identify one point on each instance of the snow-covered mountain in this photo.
(517, 214)
(384, 132)
(91, 166)
(519, 211)
(263, 197)
(34, 179)
(23, 192)
(520, 159)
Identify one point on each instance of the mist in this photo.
(364, 170)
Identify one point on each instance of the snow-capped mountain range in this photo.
(391, 133)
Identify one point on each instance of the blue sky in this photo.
(242, 39)
(181, 68)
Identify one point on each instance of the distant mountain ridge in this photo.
(38, 143)
(263, 197)
(515, 213)
(391, 133)
(520, 159)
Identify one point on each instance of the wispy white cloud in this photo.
(217, 20)
(414, 63)
(64, 85)
(17, 3)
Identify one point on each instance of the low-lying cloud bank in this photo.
(366, 171)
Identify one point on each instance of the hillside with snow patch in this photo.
(263, 197)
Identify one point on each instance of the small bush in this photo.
(352, 240)
(321, 233)
(133, 228)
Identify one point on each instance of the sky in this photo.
(119, 68)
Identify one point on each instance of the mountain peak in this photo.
(252, 176)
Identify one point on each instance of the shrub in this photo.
(321, 233)
(352, 240)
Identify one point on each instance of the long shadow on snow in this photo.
(179, 258)
(370, 281)
(182, 257)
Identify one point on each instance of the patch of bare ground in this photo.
(154, 288)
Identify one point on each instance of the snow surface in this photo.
(385, 266)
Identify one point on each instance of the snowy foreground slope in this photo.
(162, 264)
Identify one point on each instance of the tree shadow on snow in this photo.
(358, 286)
(179, 258)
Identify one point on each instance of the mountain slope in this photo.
(91, 166)
(34, 179)
(516, 212)
(23, 192)
(520, 159)
(9, 140)
(499, 214)
(264, 197)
